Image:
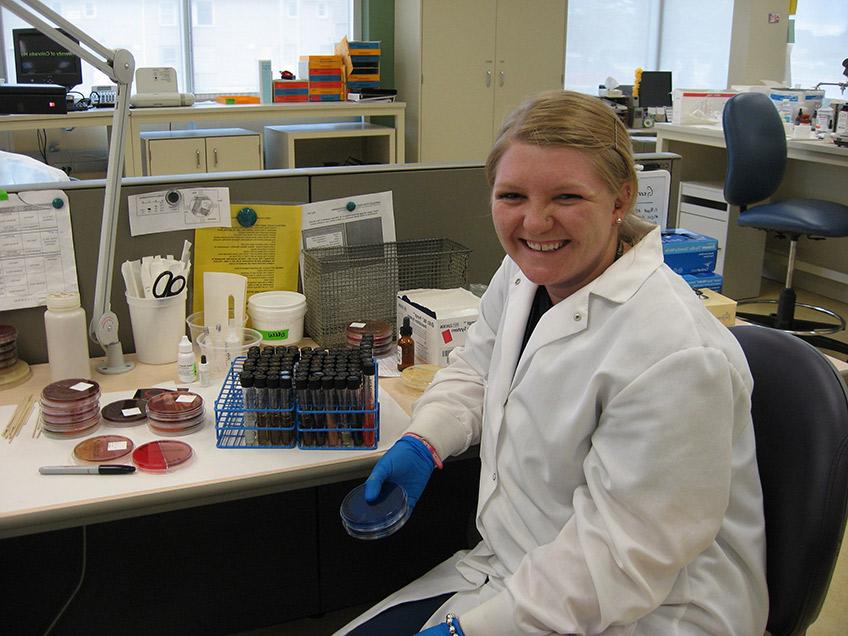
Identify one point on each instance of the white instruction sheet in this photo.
(358, 220)
(36, 248)
(179, 209)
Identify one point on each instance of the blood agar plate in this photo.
(8, 334)
(103, 448)
(382, 518)
(161, 455)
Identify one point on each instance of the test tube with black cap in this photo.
(316, 404)
(345, 419)
(286, 416)
(248, 393)
(260, 381)
(274, 417)
(307, 420)
(328, 388)
(354, 385)
(369, 402)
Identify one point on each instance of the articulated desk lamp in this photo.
(119, 66)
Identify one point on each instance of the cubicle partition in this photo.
(450, 201)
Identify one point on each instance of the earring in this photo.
(617, 205)
(619, 221)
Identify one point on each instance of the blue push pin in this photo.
(351, 206)
(246, 217)
(58, 203)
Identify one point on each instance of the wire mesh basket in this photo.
(345, 284)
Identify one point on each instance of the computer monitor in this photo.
(40, 60)
(655, 88)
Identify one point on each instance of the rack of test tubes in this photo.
(285, 397)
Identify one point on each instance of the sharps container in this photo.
(158, 325)
(278, 316)
(369, 521)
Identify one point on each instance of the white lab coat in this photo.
(619, 491)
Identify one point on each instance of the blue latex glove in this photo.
(408, 464)
(442, 629)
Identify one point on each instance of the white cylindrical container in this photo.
(277, 315)
(185, 361)
(67, 337)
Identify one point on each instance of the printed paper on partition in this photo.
(179, 209)
(36, 248)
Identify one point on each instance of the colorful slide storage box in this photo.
(291, 91)
(687, 252)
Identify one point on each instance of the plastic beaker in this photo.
(220, 354)
(158, 324)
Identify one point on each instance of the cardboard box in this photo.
(721, 307)
(700, 106)
(440, 319)
(704, 280)
(687, 252)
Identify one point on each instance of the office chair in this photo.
(756, 161)
(800, 414)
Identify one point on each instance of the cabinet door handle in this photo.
(488, 79)
(215, 156)
(500, 78)
(197, 157)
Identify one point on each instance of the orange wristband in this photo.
(436, 459)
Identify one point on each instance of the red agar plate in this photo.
(161, 455)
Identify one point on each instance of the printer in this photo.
(35, 99)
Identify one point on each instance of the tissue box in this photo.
(704, 280)
(721, 307)
(687, 252)
(440, 318)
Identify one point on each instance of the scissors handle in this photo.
(173, 285)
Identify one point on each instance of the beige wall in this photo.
(757, 48)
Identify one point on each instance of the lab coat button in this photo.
(578, 317)
(494, 476)
(517, 280)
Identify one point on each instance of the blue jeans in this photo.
(405, 619)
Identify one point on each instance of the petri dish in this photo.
(103, 448)
(124, 411)
(161, 455)
(369, 521)
(70, 390)
(8, 334)
(419, 376)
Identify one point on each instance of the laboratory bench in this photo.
(236, 539)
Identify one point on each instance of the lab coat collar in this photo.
(618, 283)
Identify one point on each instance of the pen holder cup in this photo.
(197, 326)
(158, 324)
(220, 355)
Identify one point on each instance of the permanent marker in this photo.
(103, 469)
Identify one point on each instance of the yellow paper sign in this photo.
(266, 252)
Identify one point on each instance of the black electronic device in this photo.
(655, 89)
(36, 99)
(40, 60)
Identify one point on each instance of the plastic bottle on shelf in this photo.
(186, 369)
(67, 337)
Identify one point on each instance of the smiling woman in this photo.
(608, 503)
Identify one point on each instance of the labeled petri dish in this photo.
(8, 334)
(161, 455)
(382, 518)
(103, 448)
(70, 390)
(124, 412)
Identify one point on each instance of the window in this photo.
(821, 43)
(227, 36)
(611, 38)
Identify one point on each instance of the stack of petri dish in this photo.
(175, 413)
(70, 407)
(379, 332)
(8, 346)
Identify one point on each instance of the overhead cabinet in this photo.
(461, 67)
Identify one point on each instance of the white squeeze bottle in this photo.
(185, 361)
(67, 337)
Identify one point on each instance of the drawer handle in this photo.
(501, 78)
(215, 155)
(488, 79)
(197, 157)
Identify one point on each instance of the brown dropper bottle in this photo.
(406, 346)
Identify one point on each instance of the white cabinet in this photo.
(193, 151)
(461, 67)
(740, 250)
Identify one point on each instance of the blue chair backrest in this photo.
(800, 411)
(756, 148)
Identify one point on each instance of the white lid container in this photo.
(277, 315)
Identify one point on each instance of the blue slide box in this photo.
(687, 252)
(708, 280)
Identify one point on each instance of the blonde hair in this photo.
(575, 120)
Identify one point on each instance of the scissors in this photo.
(173, 284)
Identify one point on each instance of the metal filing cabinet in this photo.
(702, 209)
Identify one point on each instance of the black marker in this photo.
(103, 469)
